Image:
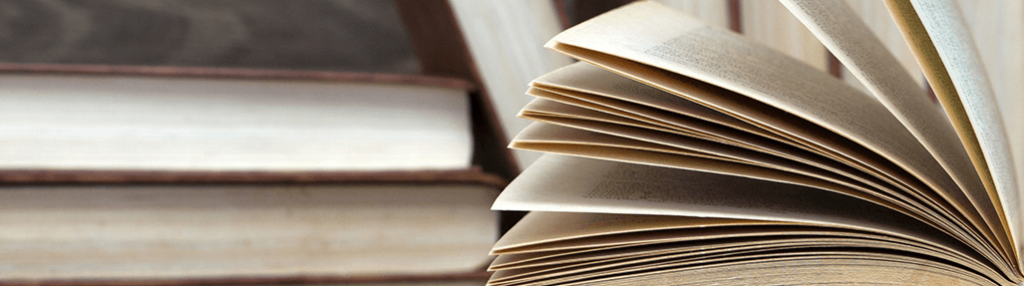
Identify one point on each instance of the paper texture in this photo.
(667, 42)
(942, 44)
(568, 184)
(852, 42)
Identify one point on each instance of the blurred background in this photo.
(341, 142)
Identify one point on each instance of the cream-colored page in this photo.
(807, 269)
(614, 125)
(555, 113)
(513, 260)
(569, 184)
(555, 105)
(640, 237)
(704, 92)
(571, 105)
(579, 133)
(876, 16)
(580, 80)
(538, 135)
(592, 84)
(694, 250)
(588, 79)
(544, 227)
(628, 262)
(651, 34)
(936, 32)
(853, 43)
(689, 154)
(548, 107)
(583, 132)
(707, 93)
(998, 30)
(781, 123)
(652, 257)
(638, 250)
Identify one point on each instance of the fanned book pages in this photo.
(683, 154)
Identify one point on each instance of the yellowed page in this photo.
(565, 257)
(645, 261)
(940, 40)
(804, 269)
(700, 251)
(650, 34)
(852, 42)
(569, 184)
(515, 260)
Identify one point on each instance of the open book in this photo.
(685, 154)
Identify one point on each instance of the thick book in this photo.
(192, 119)
(683, 154)
(399, 227)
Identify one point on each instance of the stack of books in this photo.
(229, 150)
